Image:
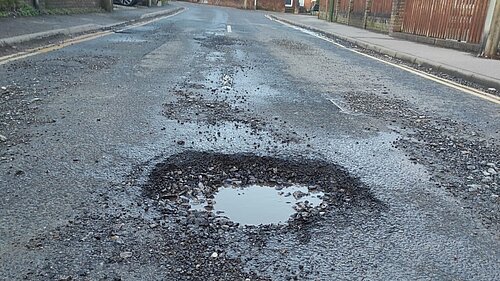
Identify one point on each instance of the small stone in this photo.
(474, 187)
(492, 171)
(181, 142)
(471, 167)
(492, 165)
(485, 173)
(214, 255)
(125, 255)
(35, 100)
(298, 194)
(494, 196)
(3, 138)
(492, 89)
(486, 180)
(4, 88)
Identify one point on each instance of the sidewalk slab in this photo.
(464, 65)
(22, 29)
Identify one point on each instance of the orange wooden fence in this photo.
(343, 6)
(358, 6)
(461, 20)
(381, 8)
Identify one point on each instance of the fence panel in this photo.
(461, 20)
(343, 6)
(381, 8)
(358, 6)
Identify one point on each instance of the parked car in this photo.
(126, 2)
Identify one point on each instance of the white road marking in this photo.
(229, 29)
(337, 105)
(448, 83)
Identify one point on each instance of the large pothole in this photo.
(228, 191)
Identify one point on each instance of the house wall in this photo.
(268, 5)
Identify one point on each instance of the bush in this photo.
(16, 8)
(9, 5)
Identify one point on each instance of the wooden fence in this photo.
(461, 20)
(343, 6)
(381, 8)
(358, 6)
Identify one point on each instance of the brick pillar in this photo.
(296, 6)
(336, 10)
(368, 9)
(397, 16)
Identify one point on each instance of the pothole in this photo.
(259, 204)
(228, 191)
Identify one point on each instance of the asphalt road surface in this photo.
(114, 150)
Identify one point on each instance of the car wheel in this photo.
(128, 2)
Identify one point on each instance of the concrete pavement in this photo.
(16, 31)
(464, 65)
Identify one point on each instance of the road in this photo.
(108, 143)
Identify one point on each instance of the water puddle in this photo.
(256, 205)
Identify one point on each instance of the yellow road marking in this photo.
(76, 40)
(52, 47)
(448, 83)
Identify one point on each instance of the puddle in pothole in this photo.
(256, 205)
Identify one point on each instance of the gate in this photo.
(461, 20)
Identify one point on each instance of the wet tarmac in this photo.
(109, 143)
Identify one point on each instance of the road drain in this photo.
(258, 204)
(232, 190)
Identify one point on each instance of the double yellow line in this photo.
(73, 41)
(52, 47)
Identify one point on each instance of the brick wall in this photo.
(341, 13)
(359, 13)
(230, 3)
(268, 5)
(271, 5)
(397, 15)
